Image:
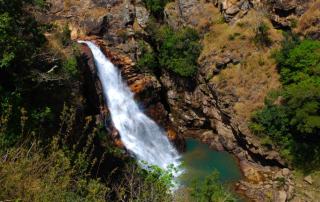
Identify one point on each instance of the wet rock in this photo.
(226, 136)
(216, 144)
(207, 137)
(280, 196)
(308, 179)
(249, 171)
(92, 85)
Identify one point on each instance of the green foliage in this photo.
(294, 125)
(262, 37)
(266, 142)
(210, 76)
(231, 37)
(272, 96)
(179, 51)
(63, 35)
(148, 58)
(33, 172)
(149, 183)
(293, 22)
(221, 20)
(21, 35)
(155, 6)
(283, 182)
(211, 190)
(70, 68)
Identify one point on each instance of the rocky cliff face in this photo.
(182, 106)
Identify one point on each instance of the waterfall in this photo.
(142, 137)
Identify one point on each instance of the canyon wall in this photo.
(199, 106)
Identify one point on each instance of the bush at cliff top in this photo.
(180, 51)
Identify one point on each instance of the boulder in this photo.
(296, 199)
(308, 194)
(232, 10)
(308, 179)
(245, 5)
(249, 171)
(285, 172)
(93, 26)
(216, 144)
(290, 191)
(280, 196)
(142, 15)
(172, 95)
(278, 175)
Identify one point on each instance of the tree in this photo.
(21, 35)
(256, 19)
(211, 190)
(179, 51)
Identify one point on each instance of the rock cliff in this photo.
(207, 106)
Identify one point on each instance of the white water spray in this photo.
(139, 134)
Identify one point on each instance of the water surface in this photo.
(200, 161)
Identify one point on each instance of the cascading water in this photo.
(139, 134)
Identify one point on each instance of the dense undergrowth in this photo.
(291, 115)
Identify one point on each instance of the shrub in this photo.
(293, 22)
(210, 76)
(241, 24)
(148, 60)
(180, 50)
(221, 20)
(155, 6)
(210, 190)
(262, 37)
(266, 142)
(231, 37)
(33, 172)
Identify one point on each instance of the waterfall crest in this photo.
(142, 137)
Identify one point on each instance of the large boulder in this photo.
(142, 15)
(280, 196)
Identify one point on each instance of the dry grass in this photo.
(307, 20)
(250, 80)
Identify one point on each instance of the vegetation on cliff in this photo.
(177, 51)
(48, 149)
(293, 121)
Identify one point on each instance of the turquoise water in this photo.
(200, 161)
